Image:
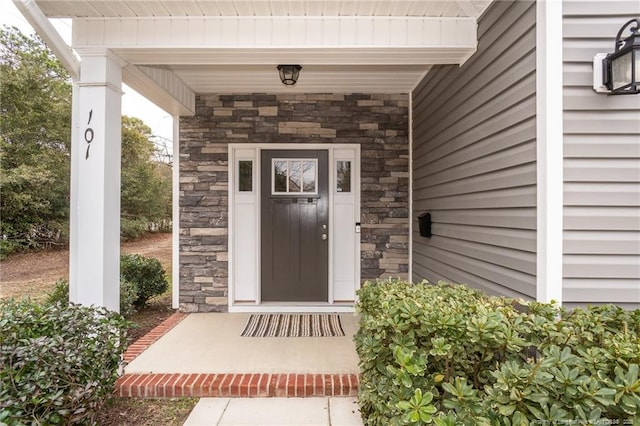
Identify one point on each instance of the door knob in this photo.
(324, 237)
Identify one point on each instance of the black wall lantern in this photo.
(618, 73)
(289, 74)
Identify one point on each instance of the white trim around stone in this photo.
(244, 241)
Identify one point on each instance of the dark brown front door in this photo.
(295, 220)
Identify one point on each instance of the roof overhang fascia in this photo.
(50, 35)
(161, 87)
(363, 39)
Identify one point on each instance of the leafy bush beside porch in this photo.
(450, 355)
(141, 278)
(58, 363)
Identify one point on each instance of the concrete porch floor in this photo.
(211, 343)
(203, 355)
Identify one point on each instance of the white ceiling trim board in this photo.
(305, 57)
(298, 32)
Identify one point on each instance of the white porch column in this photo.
(94, 269)
(175, 259)
(549, 147)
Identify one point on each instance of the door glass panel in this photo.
(295, 176)
(309, 176)
(245, 178)
(279, 176)
(343, 180)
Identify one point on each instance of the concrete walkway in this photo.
(275, 411)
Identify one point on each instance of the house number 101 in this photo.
(88, 135)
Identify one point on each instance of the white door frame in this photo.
(239, 152)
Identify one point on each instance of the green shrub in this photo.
(146, 274)
(132, 228)
(58, 363)
(60, 294)
(128, 296)
(7, 247)
(141, 278)
(450, 355)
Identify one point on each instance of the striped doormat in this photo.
(293, 325)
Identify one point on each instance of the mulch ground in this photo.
(157, 310)
(147, 412)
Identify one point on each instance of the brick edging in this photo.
(140, 345)
(168, 385)
(236, 385)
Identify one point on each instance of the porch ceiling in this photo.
(208, 46)
(313, 78)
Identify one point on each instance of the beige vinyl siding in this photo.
(474, 160)
(601, 164)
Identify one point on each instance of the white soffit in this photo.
(235, 45)
(407, 47)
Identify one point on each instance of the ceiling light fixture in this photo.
(289, 74)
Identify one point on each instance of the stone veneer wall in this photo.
(379, 122)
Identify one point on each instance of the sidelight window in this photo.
(245, 176)
(343, 176)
